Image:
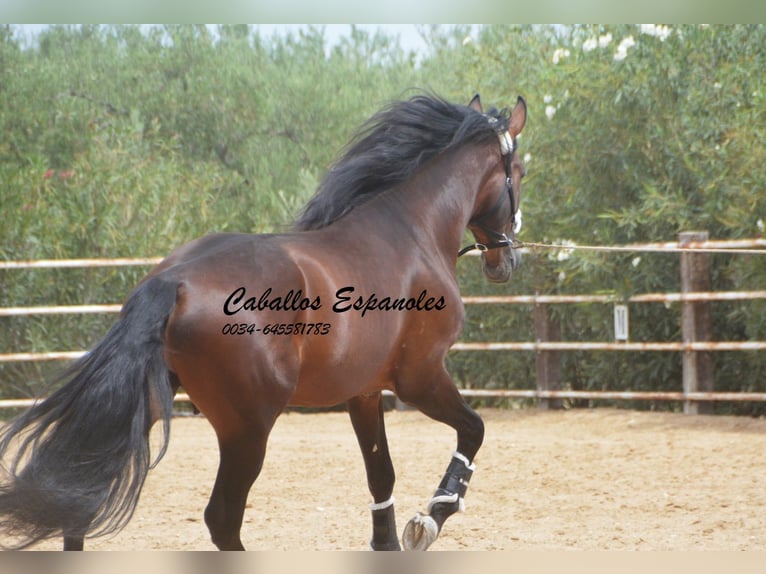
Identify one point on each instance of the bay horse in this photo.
(361, 296)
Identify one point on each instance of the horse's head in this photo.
(497, 217)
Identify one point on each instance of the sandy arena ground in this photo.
(583, 479)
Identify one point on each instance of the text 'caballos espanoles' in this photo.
(345, 299)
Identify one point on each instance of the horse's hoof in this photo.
(420, 532)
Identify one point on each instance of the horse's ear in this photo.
(518, 118)
(476, 104)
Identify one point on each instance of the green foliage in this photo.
(124, 141)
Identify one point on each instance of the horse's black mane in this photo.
(390, 147)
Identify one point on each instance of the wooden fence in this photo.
(696, 345)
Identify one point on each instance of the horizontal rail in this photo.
(74, 263)
(599, 346)
(59, 310)
(495, 346)
(717, 244)
(614, 298)
(532, 394)
(738, 246)
(741, 246)
(468, 300)
(44, 356)
(611, 395)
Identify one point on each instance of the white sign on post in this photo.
(620, 322)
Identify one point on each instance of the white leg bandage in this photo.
(382, 505)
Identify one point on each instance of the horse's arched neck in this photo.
(439, 201)
(430, 211)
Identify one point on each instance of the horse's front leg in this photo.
(367, 418)
(441, 401)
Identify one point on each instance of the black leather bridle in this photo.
(497, 239)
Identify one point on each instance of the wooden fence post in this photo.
(547, 363)
(696, 323)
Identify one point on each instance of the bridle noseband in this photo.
(498, 239)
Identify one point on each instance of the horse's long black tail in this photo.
(79, 458)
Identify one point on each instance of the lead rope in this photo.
(635, 248)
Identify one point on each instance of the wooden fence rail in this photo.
(696, 345)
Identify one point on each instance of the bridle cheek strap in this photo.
(499, 240)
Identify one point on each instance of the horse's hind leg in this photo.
(241, 460)
(367, 418)
(441, 401)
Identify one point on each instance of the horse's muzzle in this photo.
(502, 271)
